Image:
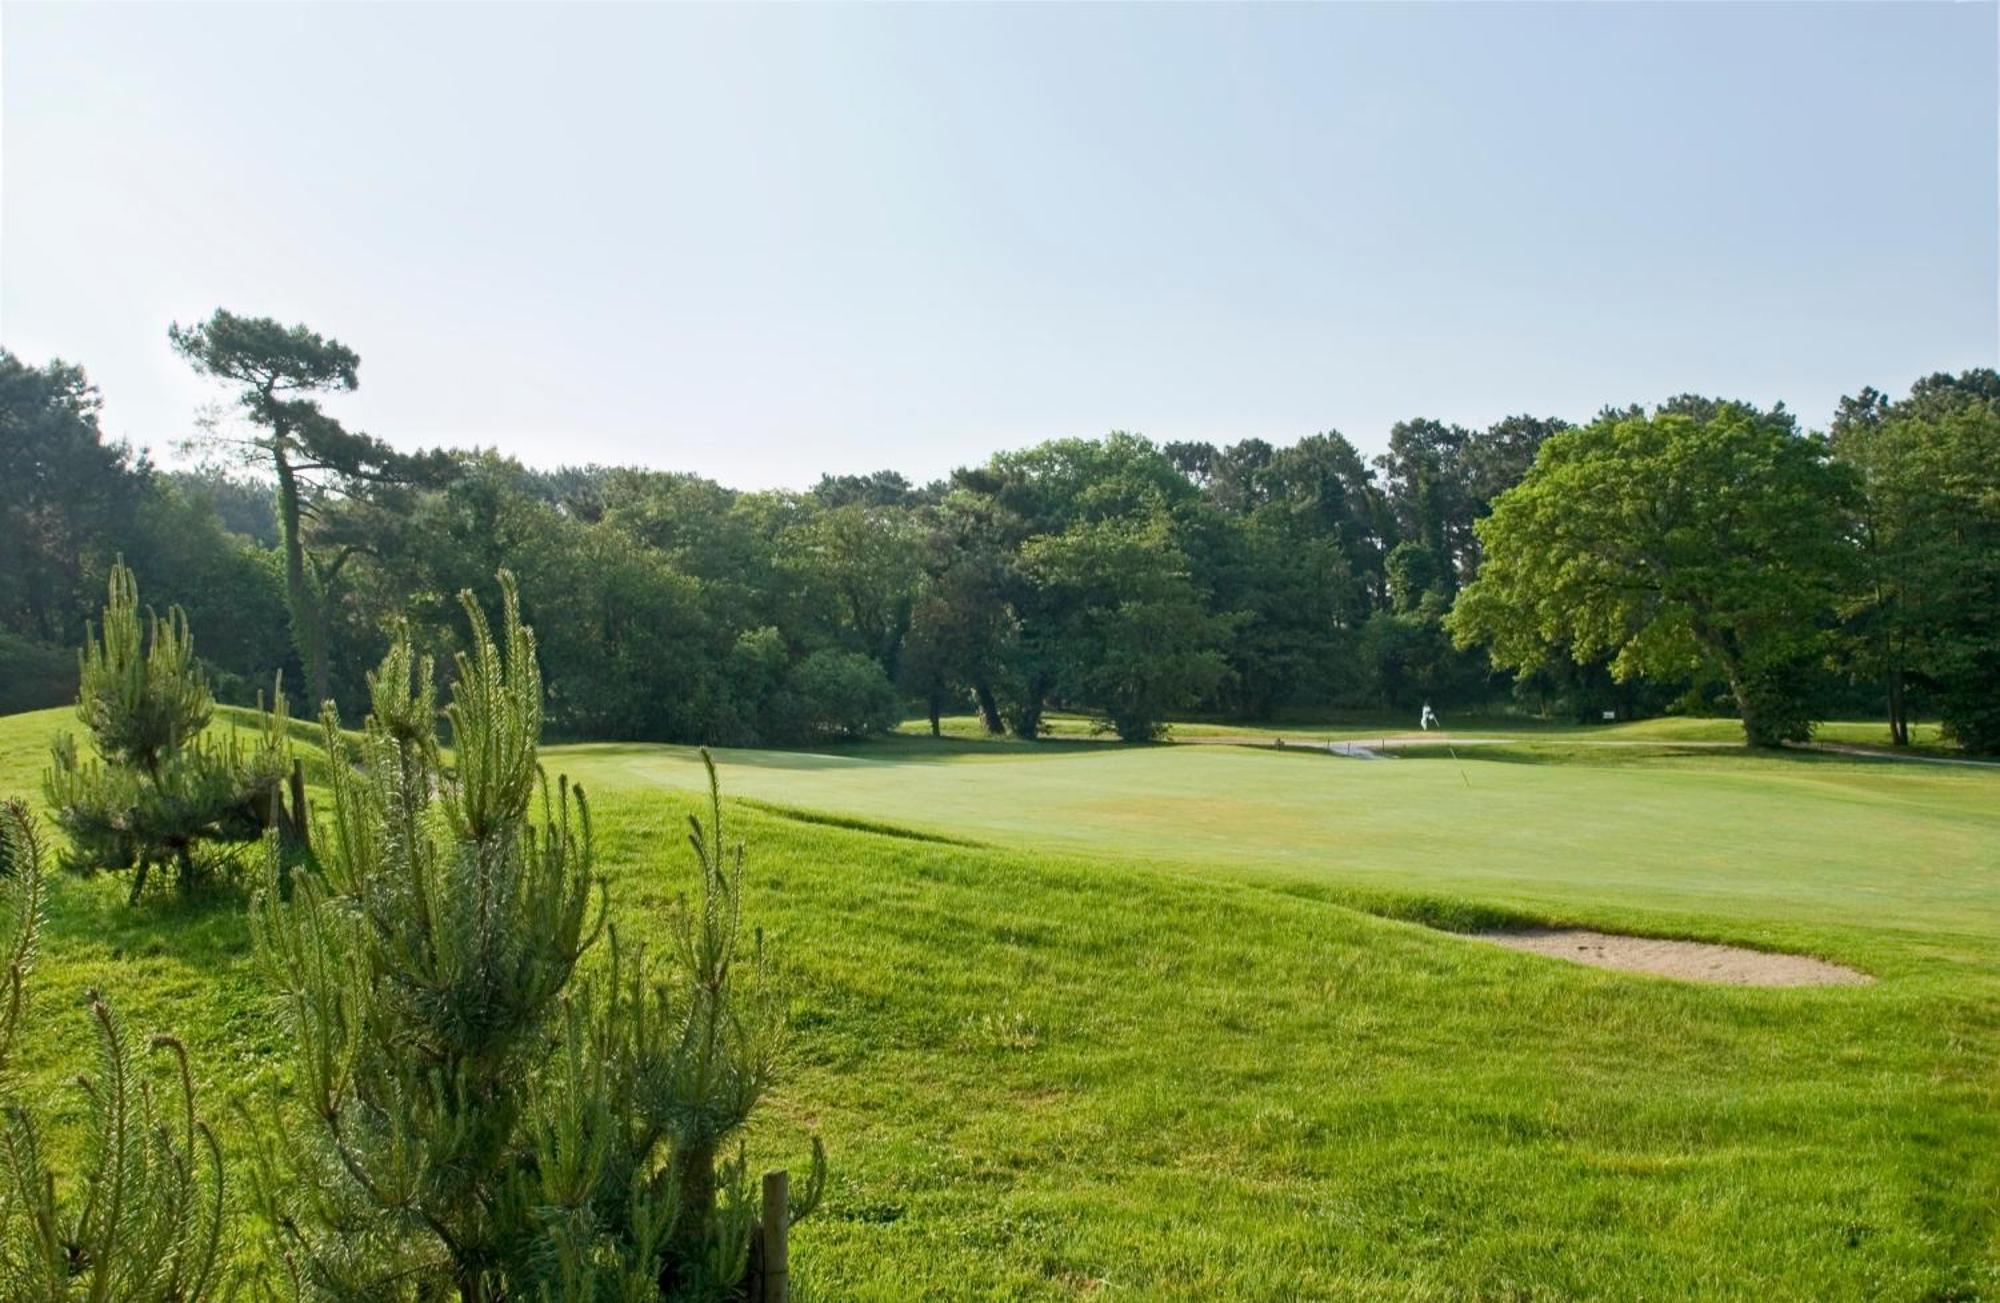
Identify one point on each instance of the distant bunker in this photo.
(1690, 961)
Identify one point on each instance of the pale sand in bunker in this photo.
(1694, 961)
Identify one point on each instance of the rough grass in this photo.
(1151, 1048)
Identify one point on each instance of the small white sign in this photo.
(1610, 715)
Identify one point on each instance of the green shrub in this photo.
(834, 694)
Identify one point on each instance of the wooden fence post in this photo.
(776, 1253)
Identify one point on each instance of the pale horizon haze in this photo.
(765, 242)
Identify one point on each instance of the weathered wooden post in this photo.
(774, 1251)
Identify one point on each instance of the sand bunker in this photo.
(1694, 961)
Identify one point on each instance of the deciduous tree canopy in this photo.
(1708, 540)
(1702, 555)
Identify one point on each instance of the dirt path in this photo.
(1693, 961)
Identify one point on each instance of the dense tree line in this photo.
(1118, 576)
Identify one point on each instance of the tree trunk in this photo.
(695, 1175)
(1719, 646)
(1027, 719)
(318, 633)
(308, 632)
(185, 859)
(937, 710)
(989, 709)
(1746, 708)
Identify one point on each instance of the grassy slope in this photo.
(1055, 1069)
(1785, 849)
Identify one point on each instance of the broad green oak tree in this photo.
(1704, 538)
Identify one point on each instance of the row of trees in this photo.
(1112, 575)
(490, 1097)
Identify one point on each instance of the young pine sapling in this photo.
(477, 1111)
(158, 791)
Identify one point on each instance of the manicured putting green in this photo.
(1712, 843)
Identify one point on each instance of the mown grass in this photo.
(1782, 850)
(1145, 1046)
(1363, 726)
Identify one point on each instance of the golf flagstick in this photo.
(1445, 733)
(1454, 757)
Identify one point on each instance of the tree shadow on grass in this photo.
(1609, 757)
(853, 823)
(942, 749)
(838, 755)
(208, 924)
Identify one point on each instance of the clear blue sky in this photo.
(766, 242)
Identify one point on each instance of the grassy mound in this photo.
(1152, 1047)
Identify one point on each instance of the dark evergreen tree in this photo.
(63, 493)
(1925, 615)
(1427, 486)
